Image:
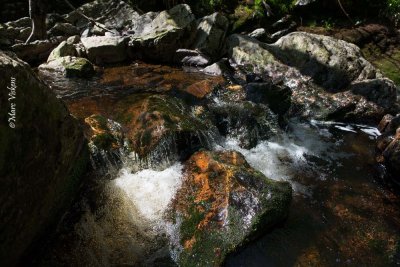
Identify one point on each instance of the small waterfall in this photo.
(149, 190)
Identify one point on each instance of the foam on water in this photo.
(271, 158)
(149, 190)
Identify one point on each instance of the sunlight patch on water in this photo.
(151, 191)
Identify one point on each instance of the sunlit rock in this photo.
(105, 49)
(329, 78)
(69, 67)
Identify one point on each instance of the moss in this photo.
(79, 67)
(189, 225)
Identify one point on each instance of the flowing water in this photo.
(340, 214)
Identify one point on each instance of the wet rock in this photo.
(388, 146)
(224, 203)
(63, 29)
(42, 160)
(245, 120)
(103, 50)
(169, 31)
(211, 33)
(200, 89)
(106, 142)
(161, 127)
(69, 67)
(36, 51)
(329, 78)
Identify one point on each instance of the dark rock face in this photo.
(223, 203)
(388, 146)
(42, 159)
(329, 78)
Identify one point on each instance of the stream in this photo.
(341, 215)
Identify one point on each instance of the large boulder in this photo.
(222, 204)
(43, 155)
(329, 78)
(211, 33)
(113, 14)
(168, 31)
(105, 49)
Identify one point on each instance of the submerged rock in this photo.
(224, 203)
(329, 78)
(43, 157)
(168, 31)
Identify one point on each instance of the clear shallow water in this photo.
(340, 216)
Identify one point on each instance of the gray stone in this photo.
(210, 34)
(62, 50)
(216, 69)
(169, 31)
(37, 51)
(112, 14)
(258, 33)
(103, 50)
(63, 29)
(69, 67)
(189, 57)
(73, 39)
(329, 78)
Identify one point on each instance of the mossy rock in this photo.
(70, 67)
(79, 67)
(223, 204)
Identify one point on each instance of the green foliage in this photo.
(393, 6)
